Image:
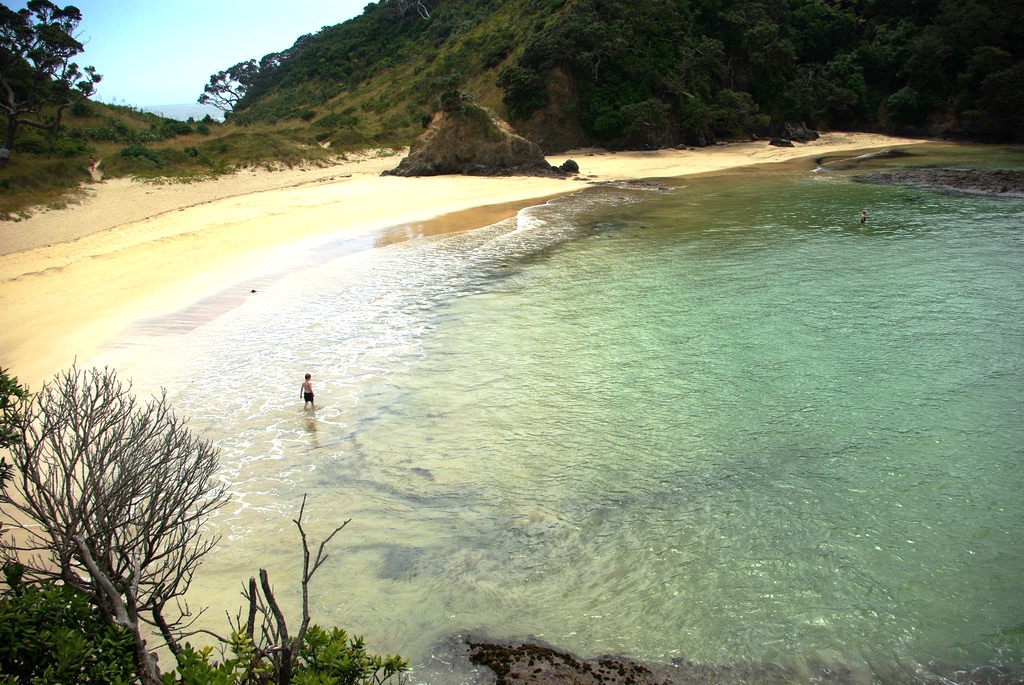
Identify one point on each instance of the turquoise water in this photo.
(721, 422)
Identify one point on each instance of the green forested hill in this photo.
(634, 73)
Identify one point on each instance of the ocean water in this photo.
(721, 422)
(184, 112)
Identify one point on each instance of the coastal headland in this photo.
(74, 279)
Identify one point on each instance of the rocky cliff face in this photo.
(474, 141)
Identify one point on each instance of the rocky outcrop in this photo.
(798, 132)
(791, 132)
(472, 140)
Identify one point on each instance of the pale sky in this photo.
(162, 52)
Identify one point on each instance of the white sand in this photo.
(72, 280)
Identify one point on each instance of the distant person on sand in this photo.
(306, 392)
(864, 217)
(94, 169)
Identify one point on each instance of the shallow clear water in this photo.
(721, 422)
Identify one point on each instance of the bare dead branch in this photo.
(165, 630)
(250, 625)
(268, 593)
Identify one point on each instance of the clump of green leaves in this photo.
(52, 634)
(12, 396)
(345, 119)
(114, 130)
(172, 127)
(451, 100)
(198, 155)
(344, 660)
(524, 91)
(136, 151)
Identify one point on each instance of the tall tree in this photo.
(226, 88)
(38, 80)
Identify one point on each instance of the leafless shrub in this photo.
(110, 495)
(266, 624)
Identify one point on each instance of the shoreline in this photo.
(77, 279)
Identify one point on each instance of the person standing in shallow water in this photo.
(306, 392)
(863, 217)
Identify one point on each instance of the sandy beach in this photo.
(73, 280)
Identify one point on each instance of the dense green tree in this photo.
(38, 80)
(399, 8)
(12, 398)
(835, 92)
(524, 90)
(227, 88)
(904, 107)
(822, 29)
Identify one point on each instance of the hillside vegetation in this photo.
(49, 169)
(570, 73)
(637, 73)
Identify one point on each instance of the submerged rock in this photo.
(987, 181)
(516, 662)
(533, 663)
(472, 140)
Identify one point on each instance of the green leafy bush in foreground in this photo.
(52, 634)
(327, 658)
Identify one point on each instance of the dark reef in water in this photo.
(530, 663)
(535, 663)
(988, 182)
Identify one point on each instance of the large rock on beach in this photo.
(790, 132)
(472, 140)
(798, 132)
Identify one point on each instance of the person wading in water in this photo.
(306, 392)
